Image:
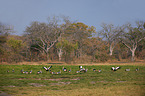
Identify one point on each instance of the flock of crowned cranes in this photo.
(81, 69)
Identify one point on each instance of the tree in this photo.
(132, 36)
(15, 44)
(5, 29)
(14, 48)
(78, 32)
(140, 51)
(94, 47)
(2, 42)
(66, 47)
(111, 35)
(46, 35)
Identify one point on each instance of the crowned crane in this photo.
(30, 72)
(13, 70)
(94, 70)
(22, 71)
(58, 72)
(137, 69)
(77, 71)
(99, 70)
(64, 69)
(39, 72)
(115, 69)
(26, 72)
(53, 73)
(118, 68)
(83, 70)
(69, 70)
(47, 69)
(86, 70)
(80, 67)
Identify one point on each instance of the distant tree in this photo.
(46, 35)
(14, 48)
(60, 47)
(94, 46)
(15, 45)
(78, 32)
(4, 32)
(110, 34)
(65, 47)
(132, 36)
(2, 49)
(5, 29)
(140, 51)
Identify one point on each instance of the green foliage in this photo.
(16, 45)
(80, 31)
(67, 46)
(13, 49)
(2, 39)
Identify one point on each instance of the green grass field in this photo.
(104, 83)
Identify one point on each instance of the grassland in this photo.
(104, 83)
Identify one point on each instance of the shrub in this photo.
(102, 57)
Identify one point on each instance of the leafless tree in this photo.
(46, 35)
(132, 36)
(110, 34)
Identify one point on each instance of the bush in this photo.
(101, 57)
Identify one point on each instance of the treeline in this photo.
(73, 42)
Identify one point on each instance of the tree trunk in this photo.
(47, 57)
(134, 46)
(111, 51)
(60, 54)
(133, 55)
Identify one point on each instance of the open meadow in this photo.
(102, 81)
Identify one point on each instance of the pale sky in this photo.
(20, 13)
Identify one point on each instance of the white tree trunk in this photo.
(134, 46)
(133, 55)
(111, 51)
(60, 54)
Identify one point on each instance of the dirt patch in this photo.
(92, 82)
(111, 81)
(36, 84)
(8, 86)
(60, 83)
(121, 81)
(75, 79)
(11, 86)
(30, 79)
(55, 79)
